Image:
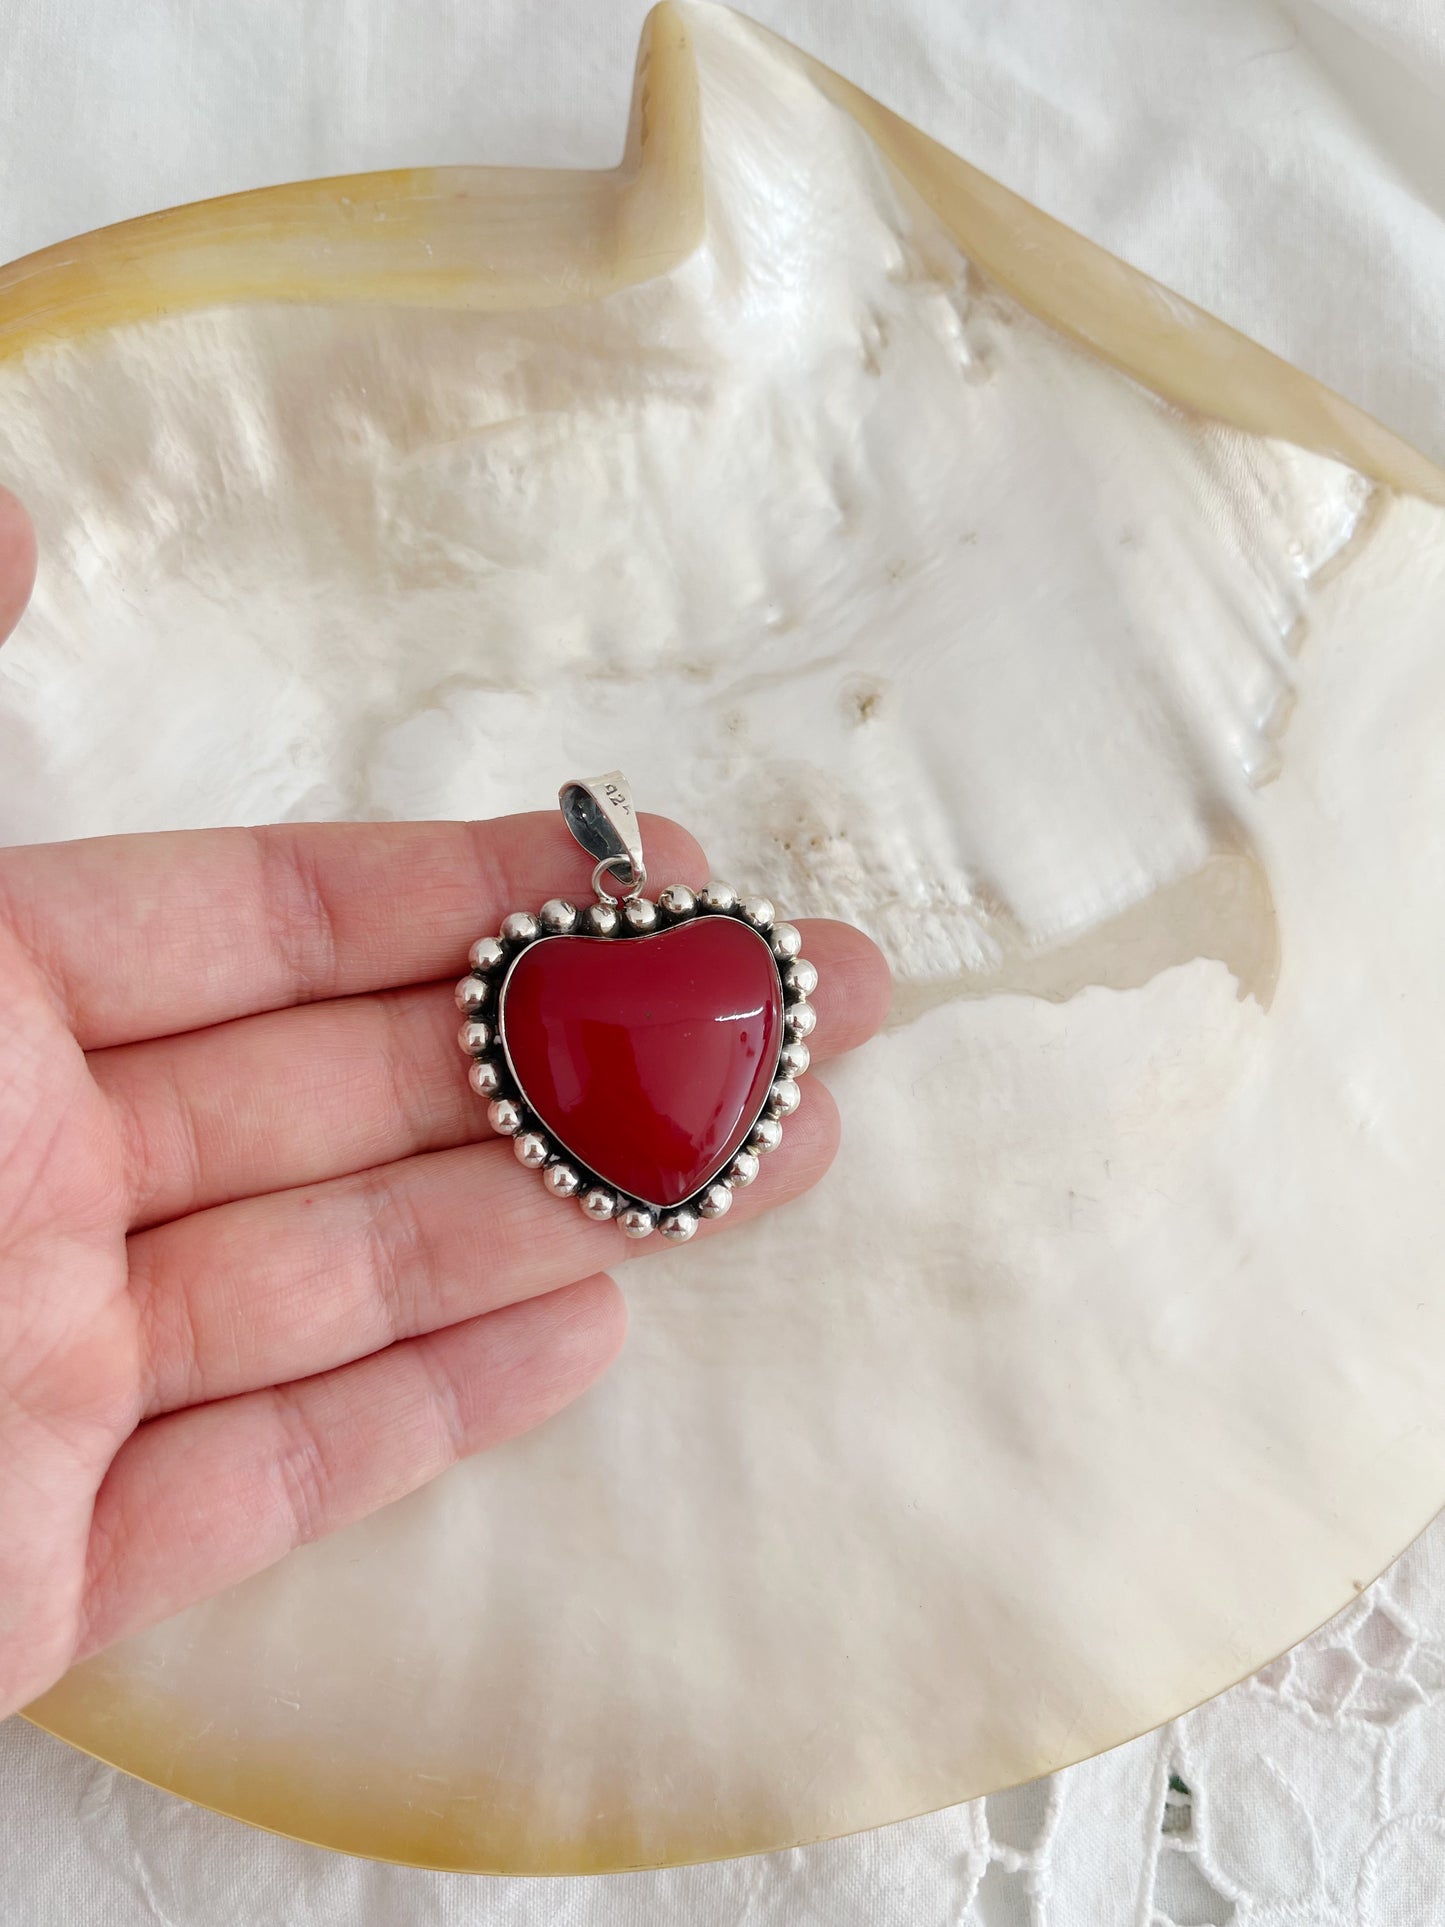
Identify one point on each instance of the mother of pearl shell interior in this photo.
(947, 577)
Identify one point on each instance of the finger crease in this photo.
(493, 883)
(169, 1350)
(395, 1248)
(298, 912)
(445, 1403)
(303, 1471)
(152, 1170)
(398, 1069)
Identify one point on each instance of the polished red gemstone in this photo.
(648, 1059)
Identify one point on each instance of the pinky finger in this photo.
(201, 1499)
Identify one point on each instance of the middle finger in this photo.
(298, 1096)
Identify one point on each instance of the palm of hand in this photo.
(262, 1268)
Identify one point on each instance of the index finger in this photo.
(145, 936)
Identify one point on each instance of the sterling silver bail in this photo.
(598, 810)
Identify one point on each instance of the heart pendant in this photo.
(640, 1054)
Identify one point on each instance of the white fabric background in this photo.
(1284, 166)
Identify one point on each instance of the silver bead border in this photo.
(490, 1076)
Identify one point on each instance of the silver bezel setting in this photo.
(482, 1037)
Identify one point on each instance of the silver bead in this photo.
(473, 993)
(794, 1059)
(561, 1180)
(640, 916)
(801, 978)
(520, 927)
(678, 1226)
(475, 1037)
(557, 917)
(600, 920)
(599, 1203)
(717, 897)
(767, 1135)
(486, 954)
(784, 1098)
(677, 902)
(485, 1077)
(505, 1116)
(637, 1221)
(800, 1020)
(787, 941)
(716, 1201)
(532, 1149)
(758, 911)
(743, 1169)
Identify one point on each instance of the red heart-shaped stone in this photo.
(648, 1059)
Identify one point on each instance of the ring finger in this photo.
(276, 1288)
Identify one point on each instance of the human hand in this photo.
(262, 1267)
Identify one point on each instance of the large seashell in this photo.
(949, 576)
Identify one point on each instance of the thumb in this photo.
(17, 561)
